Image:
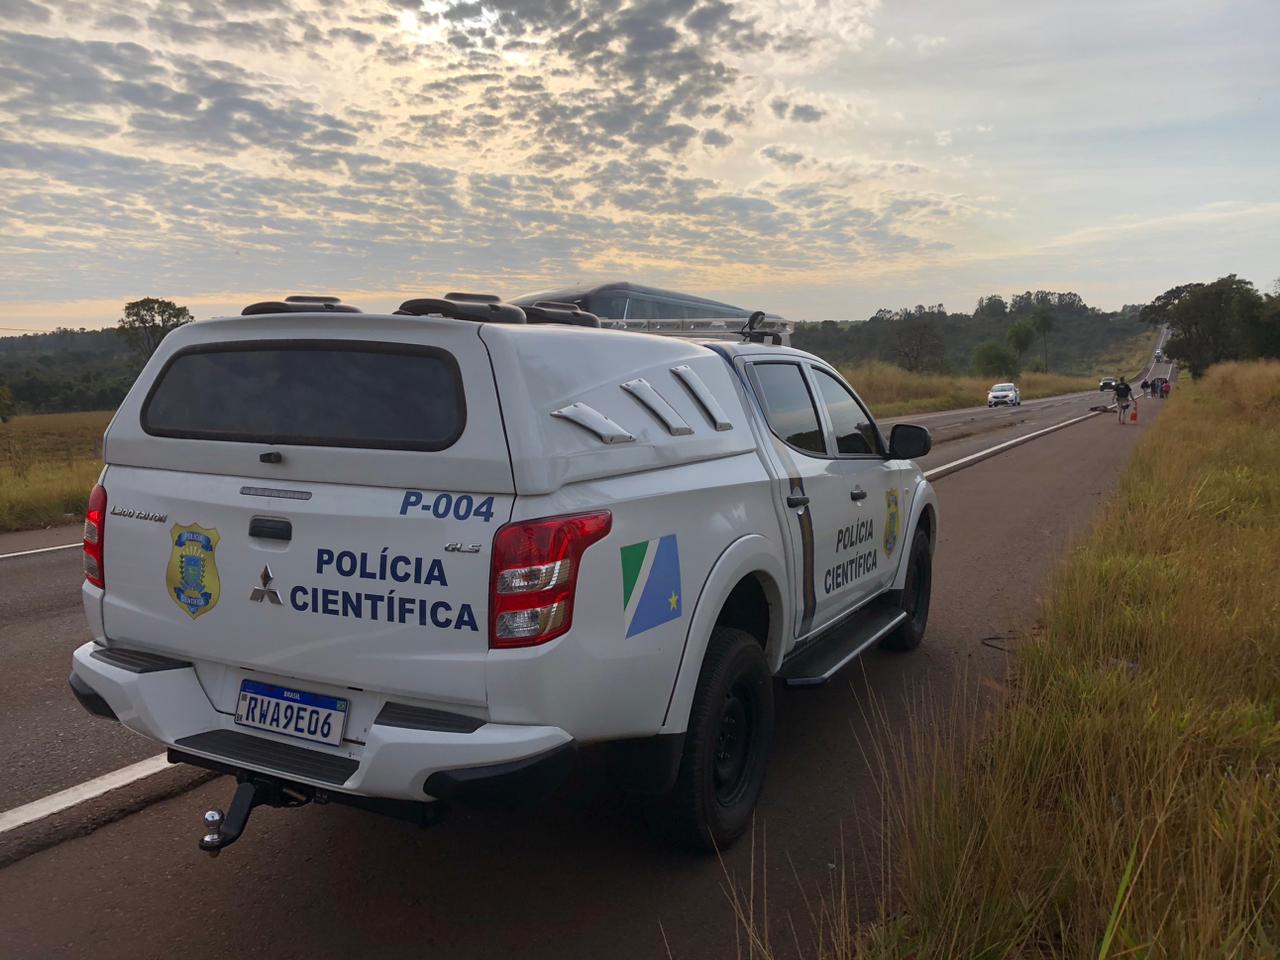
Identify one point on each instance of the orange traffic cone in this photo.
(1133, 417)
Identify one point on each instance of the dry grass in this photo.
(891, 391)
(1129, 356)
(1126, 802)
(48, 463)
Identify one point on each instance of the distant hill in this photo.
(1084, 339)
(67, 370)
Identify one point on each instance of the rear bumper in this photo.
(90, 699)
(492, 762)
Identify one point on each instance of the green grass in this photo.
(1125, 801)
(48, 464)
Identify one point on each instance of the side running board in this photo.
(828, 655)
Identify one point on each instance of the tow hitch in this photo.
(257, 790)
(224, 830)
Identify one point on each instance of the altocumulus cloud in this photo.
(205, 146)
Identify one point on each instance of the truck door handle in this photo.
(798, 501)
(269, 529)
(858, 494)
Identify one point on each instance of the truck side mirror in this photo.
(909, 442)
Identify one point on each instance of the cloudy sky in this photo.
(818, 158)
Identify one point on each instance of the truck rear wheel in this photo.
(726, 748)
(916, 594)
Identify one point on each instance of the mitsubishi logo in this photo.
(265, 592)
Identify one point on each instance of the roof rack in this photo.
(708, 329)
(299, 304)
(487, 308)
(554, 311)
(479, 307)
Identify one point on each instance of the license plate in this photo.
(294, 713)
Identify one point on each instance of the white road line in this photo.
(973, 458)
(27, 553)
(65, 799)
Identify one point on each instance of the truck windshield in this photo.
(328, 393)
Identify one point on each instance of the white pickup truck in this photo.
(402, 561)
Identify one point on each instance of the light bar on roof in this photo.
(706, 325)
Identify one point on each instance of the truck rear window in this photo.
(326, 393)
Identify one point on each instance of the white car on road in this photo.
(1004, 394)
(398, 561)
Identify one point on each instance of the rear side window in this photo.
(788, 406)
(326, 393)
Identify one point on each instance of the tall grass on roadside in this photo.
(45, 494)
(1125, 802)
(891, 391)
(48, 464)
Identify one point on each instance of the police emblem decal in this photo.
(192, 574)
(890, 522)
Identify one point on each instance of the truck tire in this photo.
(726, 748)
(914, 597)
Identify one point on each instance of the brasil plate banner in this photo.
(650, 584)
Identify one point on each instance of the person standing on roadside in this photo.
(1146, 387)
(1124, 396)
(1164, 390)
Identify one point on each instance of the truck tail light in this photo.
(95, 529)
(534, 575)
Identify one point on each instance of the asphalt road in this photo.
(579, 876)
(47, 741)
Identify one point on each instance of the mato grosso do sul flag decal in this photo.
(650, 584)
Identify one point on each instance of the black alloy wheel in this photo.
(726, 749)
(917, 592)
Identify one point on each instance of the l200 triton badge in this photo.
(192, 575)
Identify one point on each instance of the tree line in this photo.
(1209, 323)
(1002, 336)
(1227, 319)
(68, 369)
